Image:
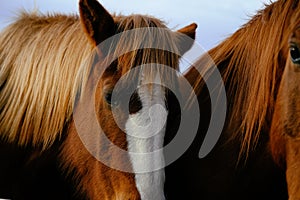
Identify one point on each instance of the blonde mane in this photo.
(251, 62)
(44, 62)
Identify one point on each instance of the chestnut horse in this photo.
(251, 63)
(285, 128)
(48, 66)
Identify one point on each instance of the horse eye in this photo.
(108, 97)
(295, 54)
(109, 100)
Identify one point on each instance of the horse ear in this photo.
(185, 43)
(97, 22)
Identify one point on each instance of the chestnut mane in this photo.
(251, 62)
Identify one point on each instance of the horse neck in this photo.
(251, 74)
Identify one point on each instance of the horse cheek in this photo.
(292, 171)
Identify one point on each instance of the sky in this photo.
(216, 19)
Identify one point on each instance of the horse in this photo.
(253, 63)
(285, 123)
(52, 68)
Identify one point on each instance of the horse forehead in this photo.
(296, 33)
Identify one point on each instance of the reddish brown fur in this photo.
(285, 129)
(95, 179)
(251, 63)
(256, 56)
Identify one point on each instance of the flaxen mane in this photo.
(251, 62)
(42, 75)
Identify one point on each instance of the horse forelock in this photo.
(251, 64)
(137, 51)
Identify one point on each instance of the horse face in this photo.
(285, 131)
(132, 112)
(130, 99)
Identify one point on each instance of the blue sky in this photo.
(216, 19)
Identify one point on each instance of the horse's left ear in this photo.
(97, 22)
(187, 41)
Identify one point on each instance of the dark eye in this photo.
(108, 96)
(295, 54)
(109, 100)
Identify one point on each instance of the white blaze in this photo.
(145, 133)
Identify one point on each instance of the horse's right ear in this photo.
(186, 42)
(97, 22)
